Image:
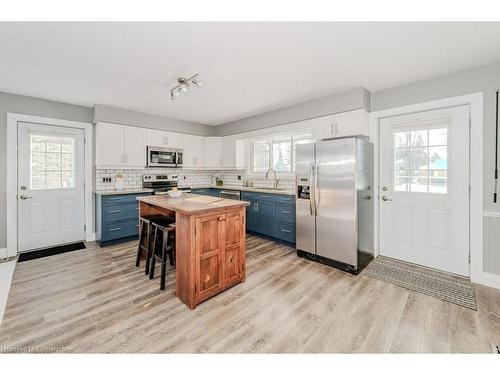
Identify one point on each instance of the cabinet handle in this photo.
(114, 229)
(336, 127)
(286, 231)
(114, 211)
(114, 199)
(331, 128)
(257, 203)
(286, 212)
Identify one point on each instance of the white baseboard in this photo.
(3, 253)
(487, 279)
(90, 237)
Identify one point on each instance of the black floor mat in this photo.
(51, 251)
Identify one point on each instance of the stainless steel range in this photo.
(161, 183)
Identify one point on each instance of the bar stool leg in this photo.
(138, 258)
(171, 253)
(163, 260)
(150, 261)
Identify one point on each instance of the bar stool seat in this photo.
(163, 246)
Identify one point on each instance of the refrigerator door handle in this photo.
(316, 191)
(311, 192)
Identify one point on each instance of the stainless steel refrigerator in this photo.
(334, 202)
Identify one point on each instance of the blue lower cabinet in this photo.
(271, 215)
(285, 231)
(206, 191)
(266, 214)
(285, 213)
(252, 218)
(120, 229)
(117, 217)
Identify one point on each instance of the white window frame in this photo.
(273, 139)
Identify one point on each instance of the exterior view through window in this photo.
(276, 152)
(52, 162)
(421, 161)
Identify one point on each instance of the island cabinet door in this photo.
(234, 248)
(209, 256)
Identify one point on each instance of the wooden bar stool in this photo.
(163, 246)
(144, 240)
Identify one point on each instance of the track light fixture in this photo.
(184, 84)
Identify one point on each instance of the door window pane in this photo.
(421, 161)
(52, 162)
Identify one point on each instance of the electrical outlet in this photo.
(495, 348)
(239, 178)
(106, 179)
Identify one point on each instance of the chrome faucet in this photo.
(276, 181)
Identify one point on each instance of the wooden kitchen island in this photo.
(210, 242)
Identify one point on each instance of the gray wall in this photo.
(28, 106)
(127, 117)
(484, 79)
(341, 102)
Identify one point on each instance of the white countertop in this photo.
(123, 192)
(244, 188)
(225, 187)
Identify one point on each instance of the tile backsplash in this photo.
(187, 178)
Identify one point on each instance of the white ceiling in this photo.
(245, 68)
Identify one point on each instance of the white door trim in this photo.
(12, 123)
(475, 101)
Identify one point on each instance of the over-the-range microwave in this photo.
(163, 157)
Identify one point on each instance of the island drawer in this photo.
(290, 199)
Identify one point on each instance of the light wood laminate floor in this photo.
(96, 300)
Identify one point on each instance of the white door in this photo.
(50, 186)
(424, 189)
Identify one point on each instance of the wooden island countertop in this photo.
(210, 242)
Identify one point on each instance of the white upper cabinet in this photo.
(233, 153)
(194, 151)
(352, 123)
(135, 146)
(109, 145)
(120, 146)
(161, 138)
(213, 152)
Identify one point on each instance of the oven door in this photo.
(161, 157)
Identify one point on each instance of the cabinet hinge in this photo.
(84, 228)
(84, 140)
(470, 122)
(469, 190)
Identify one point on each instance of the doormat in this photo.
(446, 287)
(50, 251)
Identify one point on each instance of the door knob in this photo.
(385, 199)
(23, 197)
